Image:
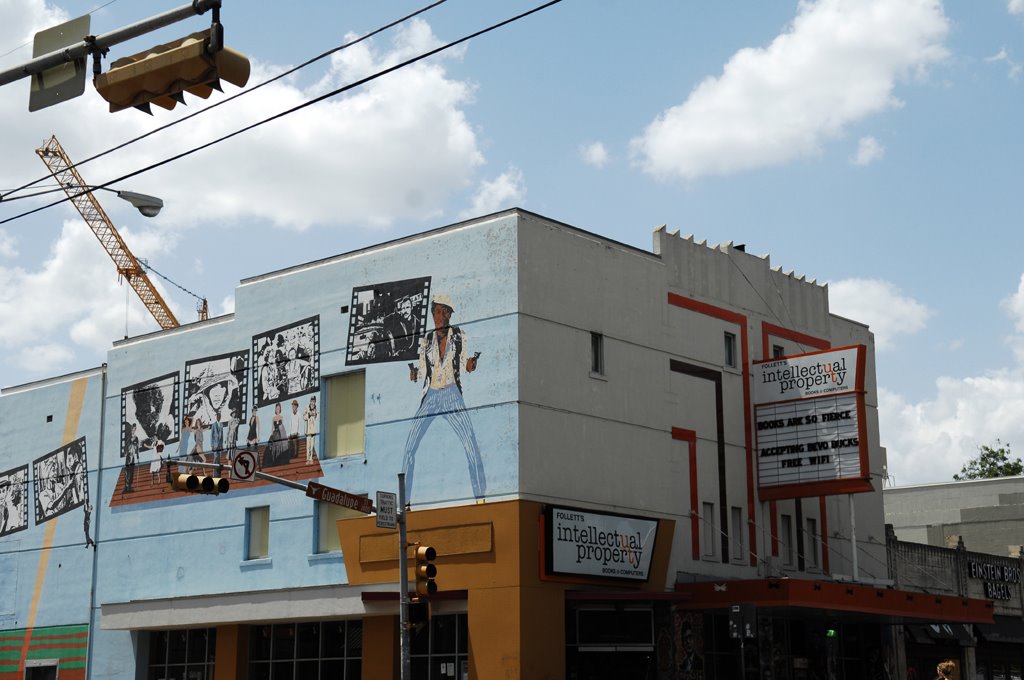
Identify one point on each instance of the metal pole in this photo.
(403, 584)
(102, 42)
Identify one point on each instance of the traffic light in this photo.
(196, 484)
(425, 571)
(161, 74)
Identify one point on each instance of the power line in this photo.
(221, 102)
(299, 107)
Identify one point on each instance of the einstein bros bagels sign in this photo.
(811, 427)
(584, 543)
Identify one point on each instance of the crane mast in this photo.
(64, 171)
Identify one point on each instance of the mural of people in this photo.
(252, 437)
(277, 451)
(689, 660)
(387, 320)
(131, 457)
(443, 358)
(153, 407)
(294, 428)
(14, 500)
(60, 479)
(312, 417)
(215, 389)
(286, 362)
(86, 521)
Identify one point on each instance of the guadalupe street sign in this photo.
(328, 494)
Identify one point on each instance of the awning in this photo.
(1004, 629)
(902, 605)
(941, 633)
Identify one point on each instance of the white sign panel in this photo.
(816, 440)
(594, 544)
(387, 515)
(807, 375)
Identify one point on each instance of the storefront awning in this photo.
(1004, 629)
(941, 633)
(902, 605)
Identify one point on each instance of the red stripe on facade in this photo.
(690, 437)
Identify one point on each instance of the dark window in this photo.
(440, 649)
(316, 650)
(182, 653)
(730, 350)
(778, 351)
(597, 353)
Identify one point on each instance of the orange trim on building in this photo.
(690, 437)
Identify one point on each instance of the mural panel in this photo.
(387, 321)
(60, 481)
(149, 416)
(286, 362)
(13, 500)
(216, 394)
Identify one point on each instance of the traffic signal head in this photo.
(426, 570)
(162, 74)
(196, 484)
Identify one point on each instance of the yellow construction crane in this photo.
(64, 171)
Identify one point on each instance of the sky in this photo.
(870, 145)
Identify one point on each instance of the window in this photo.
(327, 516)
(41, 669)
(812, 542)
(182, 653)
(787, 540)
(440, 649)
(737, 533)
(597, 353)
(346, 414)
(730, 350)
(707, 528)
(778, 351)
(257, 533)
(314, 649)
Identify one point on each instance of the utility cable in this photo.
(299, 107)
(148, 267)
(221, 102)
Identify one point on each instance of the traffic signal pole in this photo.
(100, 43)
(403, 585)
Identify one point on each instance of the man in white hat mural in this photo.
(443, 358)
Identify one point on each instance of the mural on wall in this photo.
(286, 362)
(60, 481)
(444, 358)
(149, 414)
(387, 321)
(688, 637)
(13, 500)
(216, 393)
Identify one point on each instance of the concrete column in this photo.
(380, 647)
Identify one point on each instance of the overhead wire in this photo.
(221, 102)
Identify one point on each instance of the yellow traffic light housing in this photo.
(426, 570)
(196, 484)
(162, 74)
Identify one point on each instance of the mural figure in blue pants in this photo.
(443, 358)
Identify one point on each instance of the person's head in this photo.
(946, 668)
(312, 401)
(217, 393)
(295, 405)
(186, 422)
(405, 308)
(149, 405)
(277, 408)
(442, 310)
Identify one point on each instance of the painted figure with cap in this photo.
(444, 357)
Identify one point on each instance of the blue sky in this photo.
(869, 144)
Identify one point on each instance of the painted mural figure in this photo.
(277, 446)
(131, 457)
(86, 522)
(252, 437)
(215, 392)
(443, 358)
(152, 416)
(400, 328)
(312, 417)
(294, 428)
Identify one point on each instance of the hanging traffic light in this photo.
(426, 570)
(162, 74)
(196, 484)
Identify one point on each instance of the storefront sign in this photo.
(997, 577)
(811, 433)
(595, 544)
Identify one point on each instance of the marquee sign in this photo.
(811, 429)
(585, 543)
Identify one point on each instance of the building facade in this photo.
(626, 461)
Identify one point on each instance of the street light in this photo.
(148, 205)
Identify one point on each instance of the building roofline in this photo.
(55, 380)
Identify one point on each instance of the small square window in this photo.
(257, 533)
(730, 350)
(327, 516)
(597, 353)
(778, 351)
(346, 414)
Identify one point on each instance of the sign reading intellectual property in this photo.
(584, 543)
(811, 429)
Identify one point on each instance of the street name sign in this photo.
(328, 494)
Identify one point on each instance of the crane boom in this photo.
(64, 171)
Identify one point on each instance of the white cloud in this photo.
(837, 63)
(45, 358)
(594, 154)
(505, 191)
(1015, 6)
(869, 150)
(227, 305)
(8, 247)
(398, 148)
(1013, 305)
(1014, 69)
(887, 311)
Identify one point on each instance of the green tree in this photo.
(991, 462)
